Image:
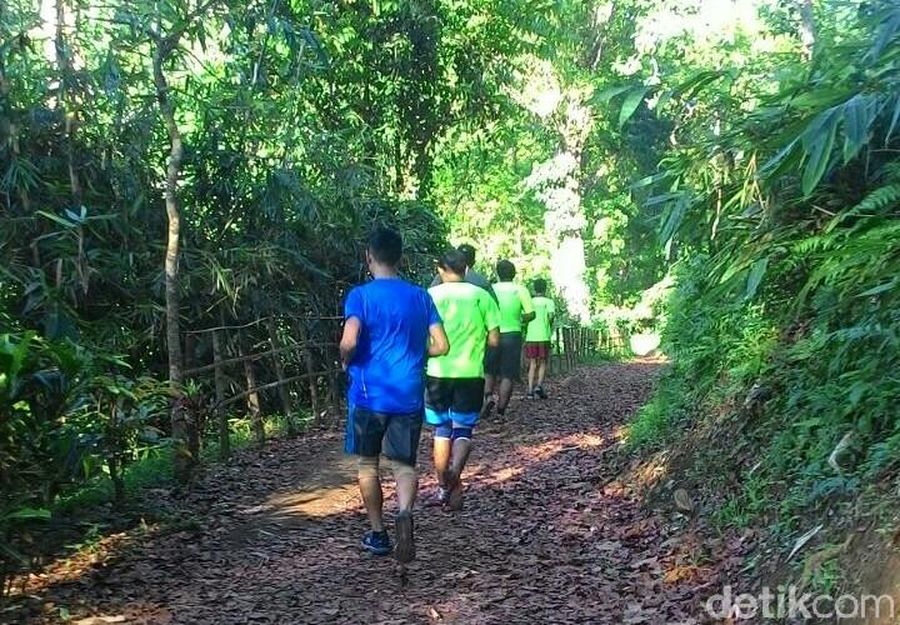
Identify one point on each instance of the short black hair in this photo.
(468, 253)
(386, 246)
(506, 271)
(453, 260)
(540, 286)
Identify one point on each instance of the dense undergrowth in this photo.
(784, 326)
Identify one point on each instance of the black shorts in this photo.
(505, 360)
(453, 400)
(367, 430)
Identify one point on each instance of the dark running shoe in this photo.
(406, 545)
(378, 543)
(487, 408)
(438, 498)
(530, 395)
(539, 391)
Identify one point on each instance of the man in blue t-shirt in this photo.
(390, 328)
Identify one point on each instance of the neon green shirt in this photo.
(540, 329)
(514, 301)
(469, 313)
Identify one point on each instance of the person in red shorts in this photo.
(537, 339)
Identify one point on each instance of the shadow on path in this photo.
(273, 536)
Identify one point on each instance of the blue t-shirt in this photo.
(387, 372)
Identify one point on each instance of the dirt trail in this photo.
(546, 536)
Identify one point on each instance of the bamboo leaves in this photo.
(631, 103)
(757, 271)
(817, 142)
(633, 97)
(852, 119)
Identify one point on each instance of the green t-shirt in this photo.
(514, 301)
(469, 313)
(540, 329)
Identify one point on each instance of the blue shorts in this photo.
(450, 401)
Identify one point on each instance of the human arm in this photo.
(528, 313)
(438, 344)
(354, 313)
(349, 340)
(491, 320)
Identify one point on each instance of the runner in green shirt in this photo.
(504, 364)
(454, 387)
(537, 339)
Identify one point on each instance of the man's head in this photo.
(506, 271)
(540, 286)
(385, 248)
(468, 253)
(452, 266)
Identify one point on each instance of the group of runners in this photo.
(453, 352)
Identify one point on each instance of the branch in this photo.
(166, 45)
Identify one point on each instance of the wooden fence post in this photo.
(312, 381)
(253, 407)
(283, 390)
(553, 365)
(221, 412)
(334, 388)
(334, 365)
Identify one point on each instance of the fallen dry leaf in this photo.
(543, 537)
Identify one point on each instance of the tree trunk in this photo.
(114, 449)
(334, 388)
(284, 392)
(559, 189)
(64, 65)
(807, 29)
(184, 462)
(312, 382)
(221, 412)
(253, 406)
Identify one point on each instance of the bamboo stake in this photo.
(221, 413)
(283, 390)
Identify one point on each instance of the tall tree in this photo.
(165, 45)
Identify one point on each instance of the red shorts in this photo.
(539, 350)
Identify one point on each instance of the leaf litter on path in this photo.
(273, 536)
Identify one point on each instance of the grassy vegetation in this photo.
(154, 468)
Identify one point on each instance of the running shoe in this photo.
(438, 498)
(378, 543)
(539, 391)
(487, 408)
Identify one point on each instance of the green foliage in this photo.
(304, 124)
(66, 419)
(783, 324)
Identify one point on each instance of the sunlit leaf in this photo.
(29, 514)
(631, 103)
(56, 218)
(757, 271)
(818, 150)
